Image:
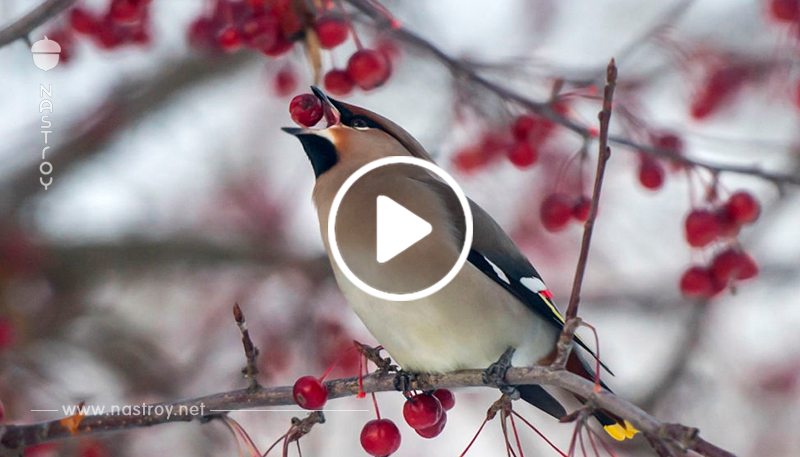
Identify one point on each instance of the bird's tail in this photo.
(615, 426)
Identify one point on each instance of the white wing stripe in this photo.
(534, 284)
(500, 274)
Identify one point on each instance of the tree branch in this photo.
(15, 437)
(20, 29)
(460, 70)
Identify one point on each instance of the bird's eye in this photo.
(359, 124)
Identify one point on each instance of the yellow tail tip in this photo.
(621, 432)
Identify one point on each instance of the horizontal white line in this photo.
(45, 410)
(291, 410)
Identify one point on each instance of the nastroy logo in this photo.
(45, 54)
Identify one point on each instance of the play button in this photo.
(398, 229)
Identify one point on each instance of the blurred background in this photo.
(175, 194)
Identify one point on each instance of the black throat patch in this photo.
(320, 151)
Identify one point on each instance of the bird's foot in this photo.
(495, 375)
(404, 381)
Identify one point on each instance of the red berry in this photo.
(697, 282)
(718, 88)
(82, 21)
(338, 82)
(422, 411)
(522, 154)
(229, 39)
(286, 82)
(435, 429)
(446, 398)
(125, 11)
(331, 32)
(731, 265)
(670, 142)
(470, 159)
(260, 31)
(8, 335)
(702, 227)
(281, 46)
(728, 227)
(92, 448)
(555, 212)
(388, 48)
(310, 393)
(743, 207)
(785, 10)
(369, 68)
(581, 209)
(380, 437)
(202, 33)
(523, 127)
(651, 174)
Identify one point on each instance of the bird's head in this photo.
(354, 135)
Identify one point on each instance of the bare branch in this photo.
(20, 29)
(250, 350)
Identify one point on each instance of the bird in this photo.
(496, 301)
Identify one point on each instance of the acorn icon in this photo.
(45, 54)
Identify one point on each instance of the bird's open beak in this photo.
(296, 131)
(332, 115)
(330, 111)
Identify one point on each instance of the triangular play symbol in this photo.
(398, 229)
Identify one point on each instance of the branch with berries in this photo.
(551, 110)
(16, 437)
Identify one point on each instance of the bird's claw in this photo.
(403, 381)
(495, 375)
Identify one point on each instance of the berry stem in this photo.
(541, 435)
(349, 21)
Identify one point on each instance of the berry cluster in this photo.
(273, 27)
(124, 22)
(558, 209)
(427, 413)
(520, 144)
(721, 223)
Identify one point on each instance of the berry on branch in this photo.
(310, 393)
(422, 411)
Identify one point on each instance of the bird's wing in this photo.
(495, 254)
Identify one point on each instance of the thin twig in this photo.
(603, 155)
(21, 28)
(250, 350)
(571, 321)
